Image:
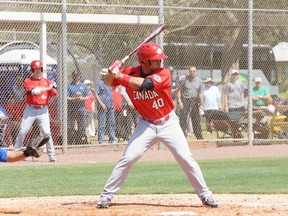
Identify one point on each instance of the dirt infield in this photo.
(146, 205)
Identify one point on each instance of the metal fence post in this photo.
(250, 66)
(63, 75)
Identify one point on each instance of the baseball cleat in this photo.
(209, 201)
(52, 158)
(104, 202)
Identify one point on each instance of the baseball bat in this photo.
(147, 39)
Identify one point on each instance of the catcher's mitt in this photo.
(34, 146)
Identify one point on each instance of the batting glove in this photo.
(115, 67)
(53, 85)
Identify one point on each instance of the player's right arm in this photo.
(124, 80)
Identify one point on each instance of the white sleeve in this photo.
(36, 91)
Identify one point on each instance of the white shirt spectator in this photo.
(211, 96)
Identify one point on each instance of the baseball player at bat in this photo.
(148, 86)
(33, 149)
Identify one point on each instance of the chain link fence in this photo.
(206, 39)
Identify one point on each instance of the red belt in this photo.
(36, 106)
(158, 121)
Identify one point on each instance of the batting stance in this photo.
(33, 148)
(148, 87)
(38, 92)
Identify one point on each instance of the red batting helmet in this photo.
(150, 51)
(36, 64)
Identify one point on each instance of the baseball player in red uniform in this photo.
(38, 92)
(149, 88)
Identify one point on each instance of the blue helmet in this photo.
(3, 113)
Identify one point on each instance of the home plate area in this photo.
(148, 205)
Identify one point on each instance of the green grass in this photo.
(261, 175)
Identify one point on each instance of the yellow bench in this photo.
(278, 122)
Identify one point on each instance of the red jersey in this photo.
(89, 103)
(41, 99)
(151, 104)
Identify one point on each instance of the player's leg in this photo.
(141, 140)
(179, 148)
(29, 116)
(43, 121)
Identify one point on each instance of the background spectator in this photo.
(77, 92)
(129, 109)
(105, 108)
(129, 115)
(260, 93)
(234, 94)
(119, 117)
(211, 101)
(261, 99)
(190, 100)
(90, 110)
